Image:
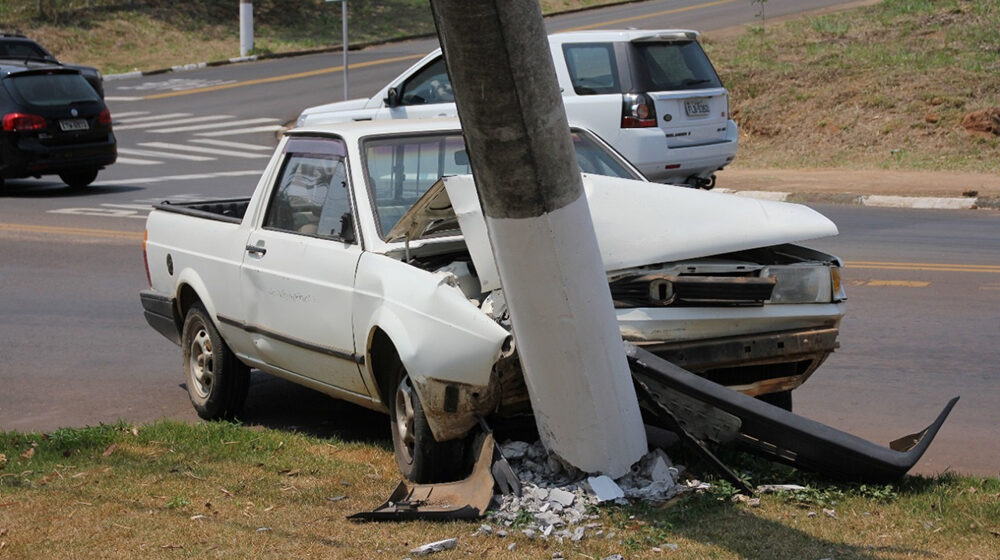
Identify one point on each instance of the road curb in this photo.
(875, 200)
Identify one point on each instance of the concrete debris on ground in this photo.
(557, 499)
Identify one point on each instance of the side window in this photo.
(311, 196)
(592, 68)
(430, 85)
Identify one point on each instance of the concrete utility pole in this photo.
(541, 231)
(246, 27)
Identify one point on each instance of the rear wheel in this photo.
(217, 381)
(79, 178)
(419, 456)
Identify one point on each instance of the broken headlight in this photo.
(805, 283)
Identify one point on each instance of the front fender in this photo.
(446, 343)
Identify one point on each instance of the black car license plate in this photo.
(69, 125)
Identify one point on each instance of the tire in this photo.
(217, 382)
(420, 457)
(79, 178)
(782, 399)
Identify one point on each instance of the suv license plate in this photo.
(697, 107)
(68, 125)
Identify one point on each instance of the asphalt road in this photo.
(76, 350)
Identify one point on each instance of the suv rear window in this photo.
(673, 66)
(48, 90)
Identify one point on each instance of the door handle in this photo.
(255, 250)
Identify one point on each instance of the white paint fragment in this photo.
(605, 489)
(446, 544)
(770, 488)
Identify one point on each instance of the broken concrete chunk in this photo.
(514, 449)
(561, 496)
(661, 471)
(769, 488)
(604, 488)
(438, 546)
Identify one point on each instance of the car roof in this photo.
(624, 35)
(354, 130)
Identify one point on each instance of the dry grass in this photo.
(121, 36)
(170, 490)
(882, 87)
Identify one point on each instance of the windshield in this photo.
(399, 170)
(674, 66)
(48, 90)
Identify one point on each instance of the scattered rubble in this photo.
(557, 500)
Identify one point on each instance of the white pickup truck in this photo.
(361, 267)
(653, 95)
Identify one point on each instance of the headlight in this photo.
(804, 283)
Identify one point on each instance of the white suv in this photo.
(653, 95)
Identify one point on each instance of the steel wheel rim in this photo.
(201, 363)
(405, 417)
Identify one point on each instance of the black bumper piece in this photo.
(713, 412)
(159, 312)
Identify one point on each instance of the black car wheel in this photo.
(217, 381)
(420, 457)
(78, 178)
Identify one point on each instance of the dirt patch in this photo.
(872, 181)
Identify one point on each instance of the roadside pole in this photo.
(541, 231)
(246, 27)
(343, 31)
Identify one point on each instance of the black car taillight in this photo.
(17, 122)
(104, 118)
(638, 111)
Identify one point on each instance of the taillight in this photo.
(17, 122)
(104, 117)
(638, 111)
(145, 258)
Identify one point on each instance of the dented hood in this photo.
(637, 223)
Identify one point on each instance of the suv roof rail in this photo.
(13, 34)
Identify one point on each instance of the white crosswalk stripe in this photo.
(202, 150)
(229, 144)
(155, 118)
(129, 114)
(271, 128)
(214, 125)
(136, 161)
(167, 155)
(173, 122)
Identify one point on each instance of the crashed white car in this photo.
(361, 268)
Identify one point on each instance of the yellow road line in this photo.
(929, 267)
(71, 231)
(644, 16)
(897, 283)
(283, 78)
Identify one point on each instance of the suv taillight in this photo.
(104, 117)
(638, 111)
(17, 122)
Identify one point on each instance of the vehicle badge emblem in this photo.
(73, 112)
(668, 117)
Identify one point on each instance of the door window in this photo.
(311, 196)
(429, 85)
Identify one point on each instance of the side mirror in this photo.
(391, 97)
(347, 228)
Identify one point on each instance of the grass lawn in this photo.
(219, 490)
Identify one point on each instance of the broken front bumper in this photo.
(710, 412)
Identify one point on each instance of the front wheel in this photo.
(420, 457)
(217, 381)
(79, 178)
